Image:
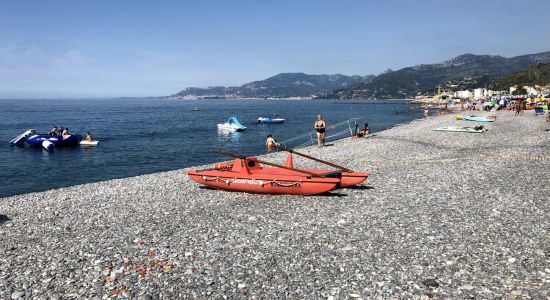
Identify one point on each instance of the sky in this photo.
(133, 48)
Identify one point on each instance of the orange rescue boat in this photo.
(245, 174)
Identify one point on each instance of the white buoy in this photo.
(48, 145)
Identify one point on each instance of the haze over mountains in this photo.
(462, 72)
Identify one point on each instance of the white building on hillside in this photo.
(463, 94)
(479, 93)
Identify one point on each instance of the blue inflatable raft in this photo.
(48, 142)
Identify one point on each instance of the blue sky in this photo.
(148, 48)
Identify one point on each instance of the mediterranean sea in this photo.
(141, 136)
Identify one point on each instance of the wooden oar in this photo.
(327, 174)
(315, 159)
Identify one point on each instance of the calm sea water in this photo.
(140, 136)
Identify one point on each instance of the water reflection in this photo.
(229, 136)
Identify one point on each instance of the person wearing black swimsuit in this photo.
(320, 127)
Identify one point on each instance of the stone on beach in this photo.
(445, 215)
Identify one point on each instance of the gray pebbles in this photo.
(444, 215)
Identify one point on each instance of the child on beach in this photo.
(426, 112)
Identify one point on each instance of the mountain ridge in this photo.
(465, 71)
(282, 85)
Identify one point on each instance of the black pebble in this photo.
(430, 283)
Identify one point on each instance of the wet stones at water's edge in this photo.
(444, 215)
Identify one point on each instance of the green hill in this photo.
(462, 72)
(538, 74)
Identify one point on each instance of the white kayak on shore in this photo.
(478, 129)
(86, 143)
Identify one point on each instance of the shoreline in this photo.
(443, 215)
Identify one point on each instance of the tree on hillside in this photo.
(519, 91)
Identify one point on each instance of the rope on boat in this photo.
(297, 183)
(252, 181)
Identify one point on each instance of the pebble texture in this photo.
(444, 215)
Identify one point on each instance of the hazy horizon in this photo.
(126, 48)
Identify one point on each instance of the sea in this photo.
(141, 136)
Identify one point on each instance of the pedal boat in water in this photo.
(246, 174)
(231, 125)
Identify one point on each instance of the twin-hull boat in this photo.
(232, 124)
(48, 142)
(246, 174)
(268, 120)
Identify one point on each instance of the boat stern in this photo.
(350, 179)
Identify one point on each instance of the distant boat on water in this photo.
(196, 109)
(269, 120)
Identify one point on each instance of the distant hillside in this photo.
(538, 74)
(283, 85)
(462, 72)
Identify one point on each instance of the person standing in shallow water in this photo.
(320, 127)
(270, 143)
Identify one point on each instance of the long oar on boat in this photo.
(327, 174)
(315, 159)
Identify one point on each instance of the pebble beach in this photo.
(444, 215)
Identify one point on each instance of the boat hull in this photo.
(57, 140)
(350, 179)
(89, 143)
(346, 179)
(270, 120)
(230, 128)
(264, 184)
(246, 175)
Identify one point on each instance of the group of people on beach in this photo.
(320, 127)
